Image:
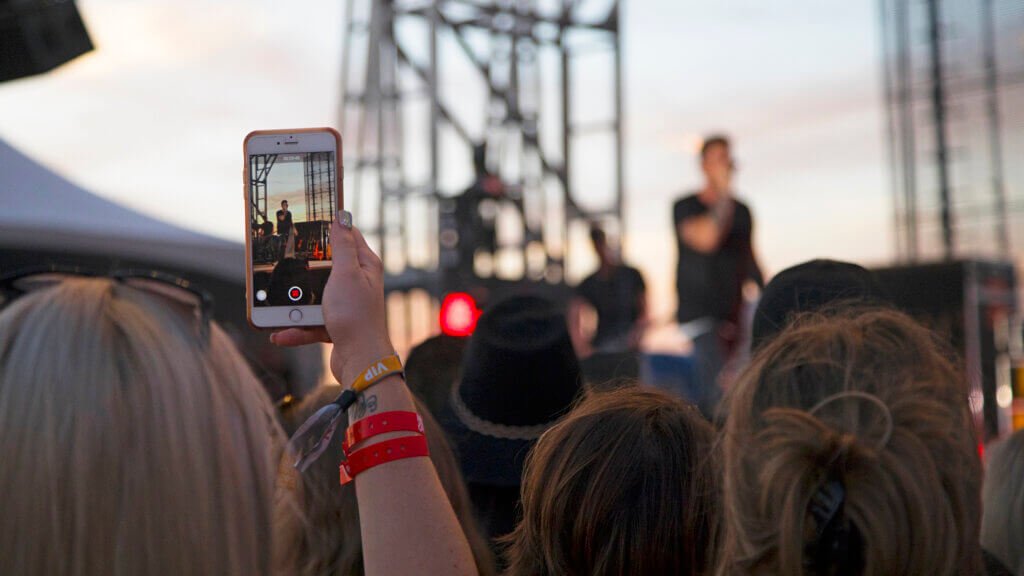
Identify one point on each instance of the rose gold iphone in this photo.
(292, 192)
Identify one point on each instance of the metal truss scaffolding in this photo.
(954, 86)
(538, 82)
(318, 172)
(259, 169)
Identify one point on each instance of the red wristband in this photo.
(382, 453)
(379, 424)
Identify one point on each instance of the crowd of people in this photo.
(138, 441)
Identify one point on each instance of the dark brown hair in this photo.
(713, 140)
(626, 484)
(329, 541)
(870, 400)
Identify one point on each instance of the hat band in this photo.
(493, 429)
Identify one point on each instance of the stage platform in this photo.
(312, 265)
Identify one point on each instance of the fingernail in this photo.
(345, 217)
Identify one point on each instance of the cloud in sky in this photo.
(155, 117)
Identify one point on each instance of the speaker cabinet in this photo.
(973, 304)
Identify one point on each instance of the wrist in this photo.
(388, 395)
(347, 363)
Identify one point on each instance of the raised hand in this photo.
(353, 306)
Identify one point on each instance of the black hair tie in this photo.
(835, 549)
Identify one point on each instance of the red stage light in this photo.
(459, 314)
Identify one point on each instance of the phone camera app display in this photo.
(293, 205)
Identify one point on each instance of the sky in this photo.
(285, 182)
(154, 118)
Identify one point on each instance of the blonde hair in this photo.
(328, 541)
(128, 446)
(1002, 523)
(906, 460)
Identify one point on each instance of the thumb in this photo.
(368, 260)
(343, 244)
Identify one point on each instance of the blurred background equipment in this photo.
(973, 304)
(954, 89)
(408, 74)
(38, 35)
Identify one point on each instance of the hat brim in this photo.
(485, 459)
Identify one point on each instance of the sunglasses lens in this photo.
(165, 290)
(189, 303)
(34, 282)
(40, 281)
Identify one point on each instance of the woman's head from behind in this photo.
(850, 450)
(131, 444)
(625, 484)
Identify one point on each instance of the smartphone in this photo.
(292, 192)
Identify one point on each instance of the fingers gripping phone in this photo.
(293, 189)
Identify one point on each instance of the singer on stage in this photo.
(285, 229)
(716, 258)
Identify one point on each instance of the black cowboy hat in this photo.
(520, 375)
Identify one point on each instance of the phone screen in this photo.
(293, 198)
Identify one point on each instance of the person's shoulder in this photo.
(586, 288)
(633, 273)
(687, 200)
(741, 205)
(587, 283)
(687, 206)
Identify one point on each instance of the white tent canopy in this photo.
(43, 211)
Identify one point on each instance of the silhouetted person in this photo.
(714, 232)
(618, 295)
(285, 230)
(475, 212)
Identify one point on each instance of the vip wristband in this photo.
(378, 371)
(380, 424)
(387, 451)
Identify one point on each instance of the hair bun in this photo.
(869, 402)
(865, 397)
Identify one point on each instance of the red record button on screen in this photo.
(295, 293)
